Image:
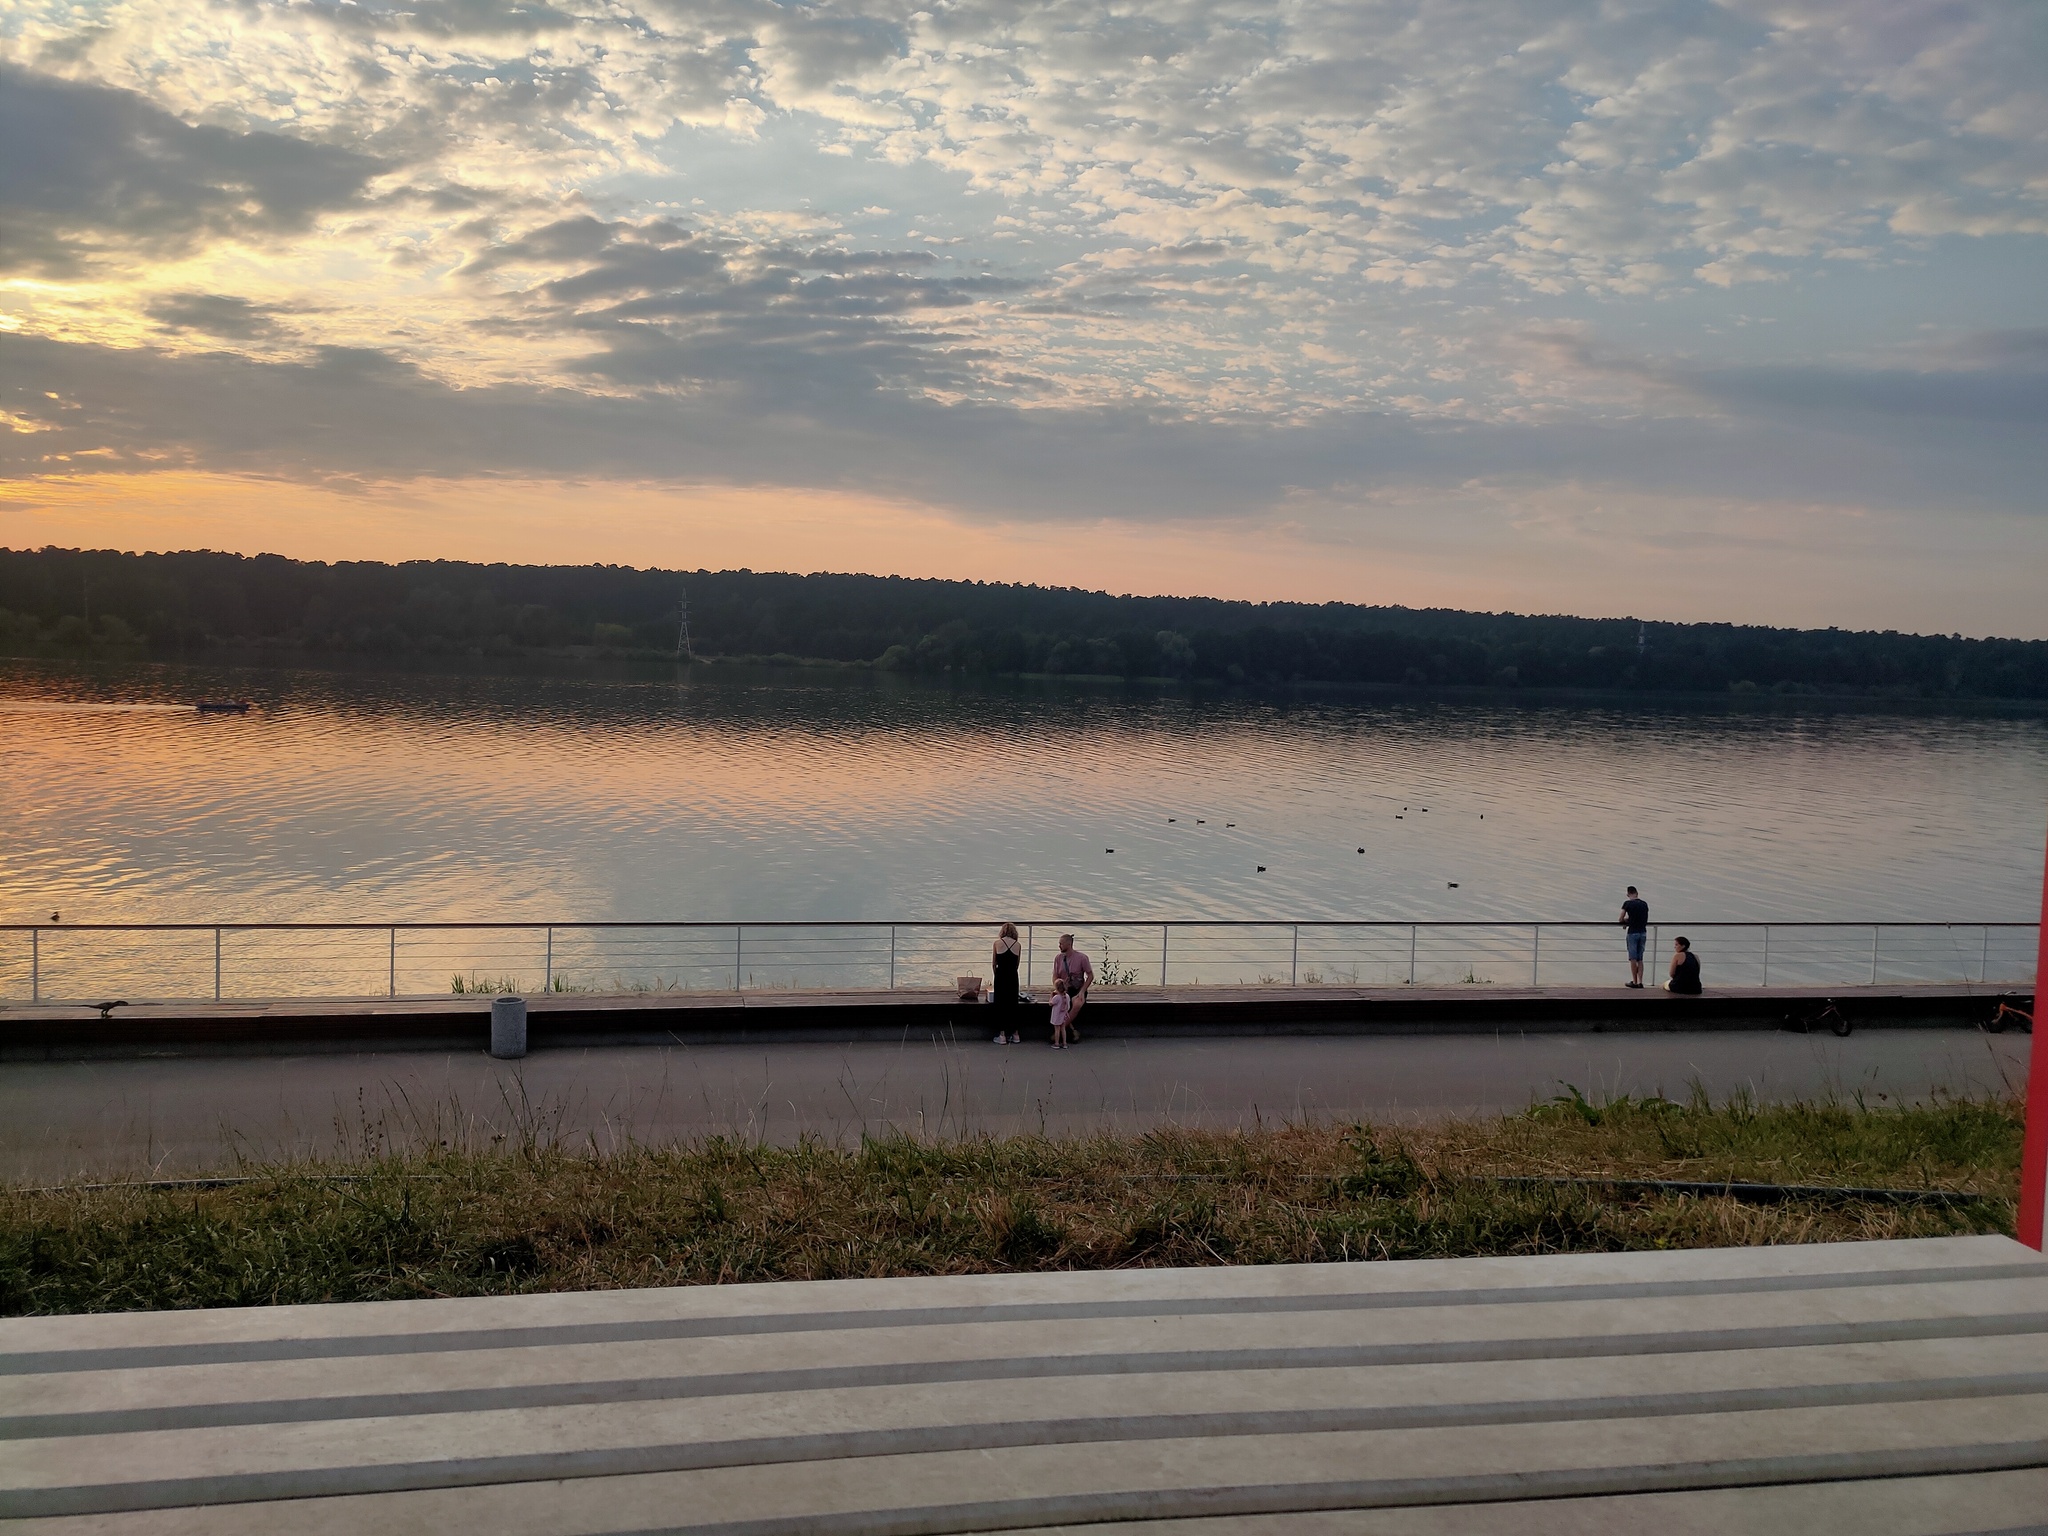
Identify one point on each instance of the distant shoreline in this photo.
(105, 605)
(595, 664)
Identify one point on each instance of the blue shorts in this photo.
(1637, 940)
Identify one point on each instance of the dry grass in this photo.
(539, 1217)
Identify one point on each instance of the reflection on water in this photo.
(787, 796)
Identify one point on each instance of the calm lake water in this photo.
(379, 796)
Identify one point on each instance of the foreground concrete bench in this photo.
(1870, 1388)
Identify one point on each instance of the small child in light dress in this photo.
(1062, 1010)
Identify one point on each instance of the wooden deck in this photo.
(588, 1019)
(1877, 1389)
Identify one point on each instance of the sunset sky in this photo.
(1676, 309)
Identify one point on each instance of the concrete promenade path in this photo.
(1851, 1389)
(117, 1118)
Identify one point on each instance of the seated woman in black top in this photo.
(1685, 969)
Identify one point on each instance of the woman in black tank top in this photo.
(1685, 969)
(1009, 955)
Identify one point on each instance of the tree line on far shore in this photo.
(106, 604)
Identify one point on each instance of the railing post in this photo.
(1162, 954)
(547, 970)
(1535, 952)
(737, 930)
(216, 964)
(391, 985)
(1984, 961)
(1411, 954)
(892, 957)
(1767, 954)
(1874, 931)
(1030, 934)
(1294, 961)
(35, 965)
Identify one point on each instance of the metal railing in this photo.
(191, 961)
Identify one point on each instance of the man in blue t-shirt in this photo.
(1635, 918)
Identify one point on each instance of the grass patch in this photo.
(541, 1217)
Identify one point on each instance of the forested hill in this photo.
(108, 604)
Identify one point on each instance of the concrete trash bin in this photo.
(508, 1028)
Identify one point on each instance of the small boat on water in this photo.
(223, 706)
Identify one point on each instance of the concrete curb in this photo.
(296, 1027)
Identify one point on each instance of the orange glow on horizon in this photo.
(1560, 548)
(686, 527)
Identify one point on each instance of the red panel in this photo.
(2034, 1159)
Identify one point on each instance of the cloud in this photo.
(363, 414)
(2024, 349)
(667, 305)
(93, 174)
(1555, 143)
(214, 314)
(1994, 400)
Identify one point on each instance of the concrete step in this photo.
(1285, 1395)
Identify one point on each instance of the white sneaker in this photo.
(1002, 1040)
